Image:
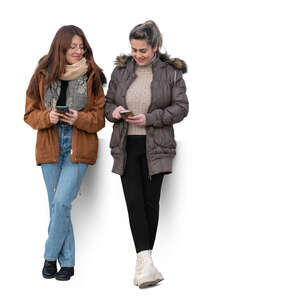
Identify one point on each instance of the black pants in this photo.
(141, 194)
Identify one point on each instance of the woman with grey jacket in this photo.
(149, 86)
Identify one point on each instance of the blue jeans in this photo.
(60, 243)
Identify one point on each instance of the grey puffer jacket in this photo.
(169, 105)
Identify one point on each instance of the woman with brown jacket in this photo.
(65, 104)
(146, 96)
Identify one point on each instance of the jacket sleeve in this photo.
(34, 116)
(93, 120)
(110, 104)
(174, 113)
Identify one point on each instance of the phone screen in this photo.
(62, 109)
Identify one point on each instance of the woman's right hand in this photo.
(54, 116)
(116, 112)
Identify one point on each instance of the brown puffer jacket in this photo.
(84, 140)
(169, 105)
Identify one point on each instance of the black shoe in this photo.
(49, 269)
(65, 273)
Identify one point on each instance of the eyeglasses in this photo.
(81, 48)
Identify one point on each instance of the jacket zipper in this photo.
(124, 148)
(125, 136)
(56, 160)
(149, 110)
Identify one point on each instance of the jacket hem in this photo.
(161, 165)
(80, 160)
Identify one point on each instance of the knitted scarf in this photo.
(77, 87)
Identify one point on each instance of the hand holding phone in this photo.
(69, 117)
(139, 120)
(126, 113)
(54, 116)
(62, 109)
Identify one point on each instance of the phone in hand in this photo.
(62, 109)
(126, 113)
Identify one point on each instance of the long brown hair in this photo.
(54, 62)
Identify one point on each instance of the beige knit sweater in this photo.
(138, 96)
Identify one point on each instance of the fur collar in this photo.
(122, 60)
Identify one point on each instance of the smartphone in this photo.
(126, 113)
(62, 109)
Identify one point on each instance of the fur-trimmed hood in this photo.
(122, 60)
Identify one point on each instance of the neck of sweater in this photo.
(140, 69)
(147, 68)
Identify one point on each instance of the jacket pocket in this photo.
(43, 145)
(115, 136)
(87, 146)
(164, 137)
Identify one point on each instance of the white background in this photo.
(229, 223)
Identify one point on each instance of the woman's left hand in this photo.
(70, 117)
(139, 120)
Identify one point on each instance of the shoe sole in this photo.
(60, 279)
(63, 279)
(149, 283)
(136, 281)
(49, 276)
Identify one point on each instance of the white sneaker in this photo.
(138, 268)
(145, 272)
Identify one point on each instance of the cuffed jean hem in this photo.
(67, 265)
(70, 262)
(50, 259)
(62, 264)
